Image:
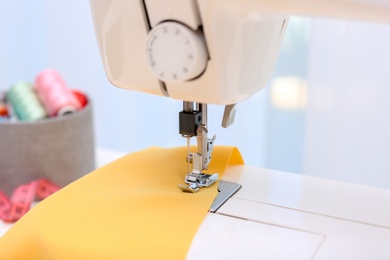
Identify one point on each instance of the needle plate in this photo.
(226, 190)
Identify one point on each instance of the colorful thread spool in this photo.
(3, 110)
(3, 106)
(81, 97)
(25, 102)
(54, 93)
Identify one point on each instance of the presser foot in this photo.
(190, 188)
(226, 190)
(195, 182)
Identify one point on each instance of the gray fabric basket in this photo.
(60, 149)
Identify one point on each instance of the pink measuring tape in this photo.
(13, 209)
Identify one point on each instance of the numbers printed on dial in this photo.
(171, 50)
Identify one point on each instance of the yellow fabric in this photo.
(129, 209)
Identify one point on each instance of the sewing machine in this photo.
(222, 52)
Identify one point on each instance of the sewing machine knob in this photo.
(176, 52)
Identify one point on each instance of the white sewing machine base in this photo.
(279, 215)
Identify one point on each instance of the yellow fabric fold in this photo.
(129, 209)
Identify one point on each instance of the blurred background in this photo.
(325, 112)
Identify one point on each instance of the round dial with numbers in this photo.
(175, 52)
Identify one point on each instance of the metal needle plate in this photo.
(226, 190)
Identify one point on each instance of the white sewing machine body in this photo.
(274, 215)
(246, 48)
(242, 38)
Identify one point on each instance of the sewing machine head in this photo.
(199, 51)
(204, 52)
(190, 52)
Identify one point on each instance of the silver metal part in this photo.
(228, 115)
(226, 190)
(205, 146)
(197, 181)
(191, 188)
(201, 159)
(201, 179)
(188, 106)
(189, 157)
(203, 108)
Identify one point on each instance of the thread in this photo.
(3, 110)
(81, 97)
(56, 96)
(25, 102)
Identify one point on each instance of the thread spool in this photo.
(81, 97)
(25, 102)
(54, 93)
(3, 106)
(3, 110)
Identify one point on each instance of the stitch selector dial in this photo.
(176, 52)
